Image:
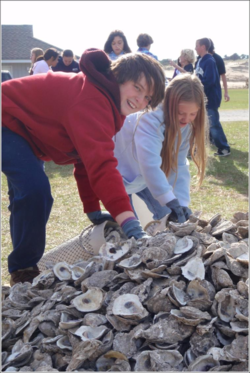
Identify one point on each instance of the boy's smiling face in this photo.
(135, 96)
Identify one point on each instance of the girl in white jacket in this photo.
(152, 149)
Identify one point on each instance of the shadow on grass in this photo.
(53, 170)
(231, 171)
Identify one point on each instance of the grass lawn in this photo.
(239, 100)
(224, 191)
(225, 188)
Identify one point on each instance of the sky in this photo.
(173, 25)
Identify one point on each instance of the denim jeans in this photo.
(30, 200)
(216, 133)
(153, 205)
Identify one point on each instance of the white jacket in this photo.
(138, 149)
(40, 67)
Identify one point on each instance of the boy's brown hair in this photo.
(144, 40)
(206, 42)
(132, 65)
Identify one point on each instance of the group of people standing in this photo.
(123, 130)
(211, 70)
(42, 62)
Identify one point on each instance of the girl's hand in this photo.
(177, 214)
(187, 211)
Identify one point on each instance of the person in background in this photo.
(185, 62)
(51, 56)
(36, 56)
(144, 42)
(221, 69)
(67, 63)
(207, 72)
(151, 149)
(70, 119)
(116, 45)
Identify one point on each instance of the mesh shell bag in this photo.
(81, 247)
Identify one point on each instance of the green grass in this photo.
(239, 100)
(224, 191)
(225, 188)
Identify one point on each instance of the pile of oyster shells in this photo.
(177, 301)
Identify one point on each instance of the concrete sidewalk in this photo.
(233, 115)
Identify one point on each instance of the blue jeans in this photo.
(217, 135)
(30, 200)
(153, 205)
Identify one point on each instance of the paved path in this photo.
(234, 115)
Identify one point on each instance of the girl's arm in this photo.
(148, 142)
(172, 63)
(182, 185)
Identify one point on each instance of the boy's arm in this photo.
(87, 195)
(91, 129)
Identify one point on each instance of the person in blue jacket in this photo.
(152, 148)
(144, 42)
(207, 71)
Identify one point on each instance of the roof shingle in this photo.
(18, 40)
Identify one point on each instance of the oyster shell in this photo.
(113, 252)
(131, 262)
(89, 332)
(194, 269)
(129, 306)
(63, 271)
(90, 301)
(183, 245)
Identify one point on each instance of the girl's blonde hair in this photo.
(188, 54)
(184, 88)
(38, 52)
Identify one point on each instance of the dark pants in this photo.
(30, 200)
(217, 135)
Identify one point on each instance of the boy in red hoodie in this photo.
(70, 118)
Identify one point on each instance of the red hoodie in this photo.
(71, 118)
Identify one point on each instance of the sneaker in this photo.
(222, 153)
(24, 275)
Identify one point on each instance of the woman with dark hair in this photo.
(116, 45)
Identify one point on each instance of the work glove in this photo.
(98, 217)
(177, 215)
(133, 228)
(187, 211)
